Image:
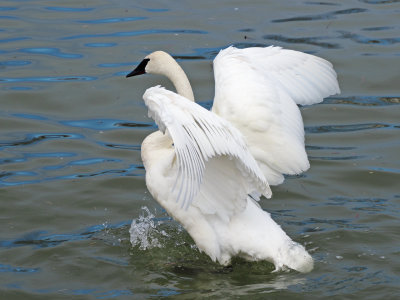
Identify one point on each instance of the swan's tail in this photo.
(254, 235)
(295, 257)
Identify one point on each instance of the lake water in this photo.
(71, 125)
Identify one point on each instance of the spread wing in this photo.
(257, 90)
(209, 151)
(306, 78)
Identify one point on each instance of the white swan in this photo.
(208, 169)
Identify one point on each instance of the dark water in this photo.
(71, 125)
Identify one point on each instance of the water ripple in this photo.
(380, 28)
(336, 223)
(135, 33)
(11, 269)
(14, 63)
(27, 156)
(211, 53)
(386, 170)
(50, 51)
(303, 40)
(366, 40)
(112, 20)
(19, 88)
(7, 8)
(199, 53)
(90, 161)
(38, 137)
(350, 157)
(105, 124)
(379, 1)
(69, 9)
(329, 148)
(336, 154)
(97, 292)
(364, 100)
(6, 175)
(14, 39)
(333, 285)
(321, 3)
(117, 65)
(358, 202)
(325, 16)
(129, 171)
(156, 9)
(136, 124)
(8, 17)
(9, 178)
(121, 146)
(97, 45)
(40, 239)
(29, 116)
(48, 79)
(346, 128)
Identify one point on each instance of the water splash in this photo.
(144, 232)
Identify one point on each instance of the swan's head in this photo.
(158, 62)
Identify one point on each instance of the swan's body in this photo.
(208, 169)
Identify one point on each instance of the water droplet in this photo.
(144, 232)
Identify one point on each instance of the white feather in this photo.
(207, 169)
(257, 89)
(199, 135)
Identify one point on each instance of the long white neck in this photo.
(180, 81)
(162, 63)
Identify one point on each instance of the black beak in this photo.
(140, 69)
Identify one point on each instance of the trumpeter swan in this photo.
(209, 169)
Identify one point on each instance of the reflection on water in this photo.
(71, 126)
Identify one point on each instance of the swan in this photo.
(208, 169)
